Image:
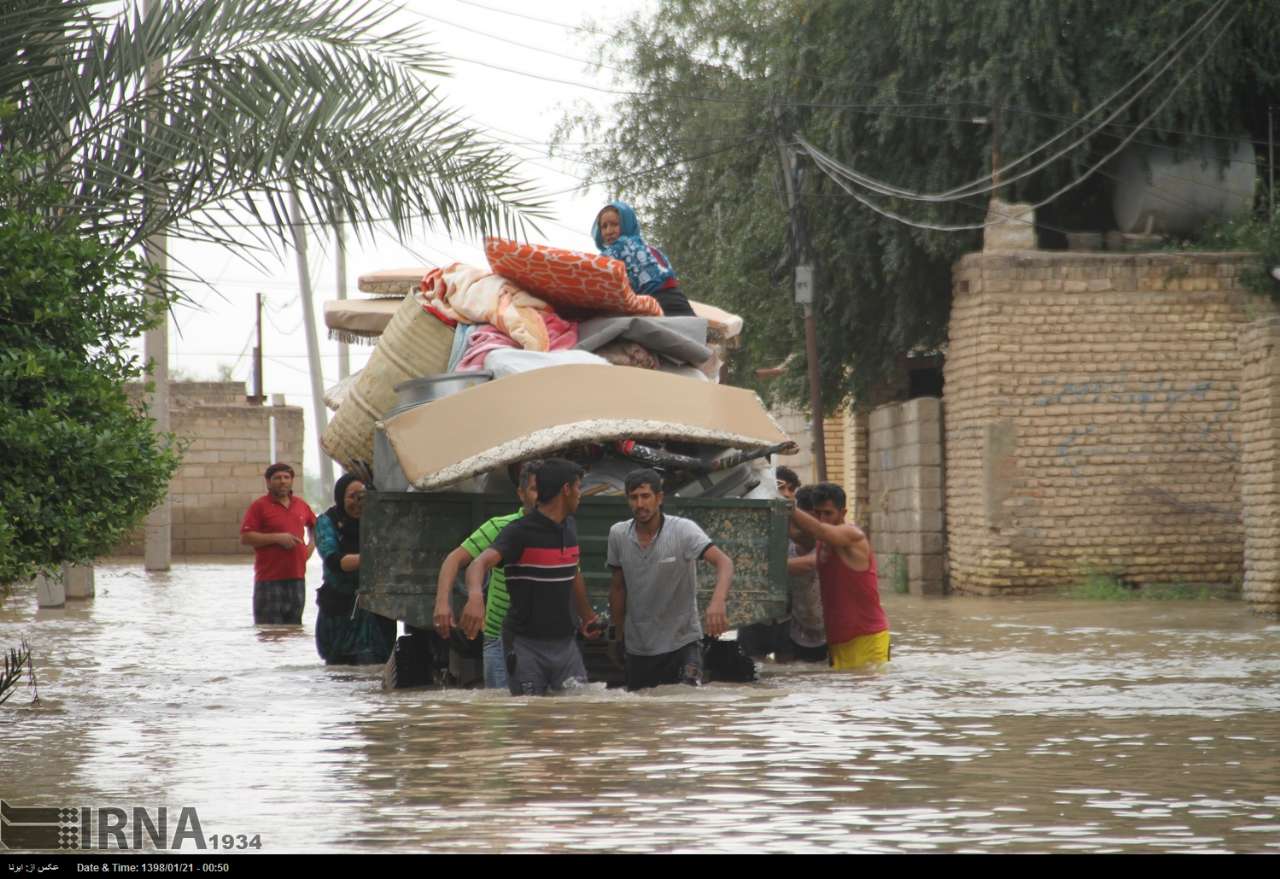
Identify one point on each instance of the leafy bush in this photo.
(1099, 586)
(1253, 234)
(82, 465)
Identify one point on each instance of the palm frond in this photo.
(255, 96)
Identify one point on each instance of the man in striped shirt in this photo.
(496, 601)
(540, 553)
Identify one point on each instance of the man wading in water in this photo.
(274, 526)
(653, 596)
(857, 628)
(540, 553)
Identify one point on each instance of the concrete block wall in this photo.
(905, 481)
(833, 443)
(1092, 419)
(856, 464)
(845, 435)
(1260, 463)
(221, 473)
(795, 424)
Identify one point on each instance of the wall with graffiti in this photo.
(1092, 410)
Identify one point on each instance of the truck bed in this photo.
(404, 537)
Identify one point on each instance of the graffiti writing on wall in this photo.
(1160, 401)
(1122, 391)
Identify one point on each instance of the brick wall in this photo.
(1092, 419)
(906, 495)
(221, 472)
(845, 436)
(1260, 479)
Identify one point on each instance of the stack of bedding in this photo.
(537, 307)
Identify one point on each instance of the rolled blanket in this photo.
(471, 295)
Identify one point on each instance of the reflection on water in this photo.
(1033, 725)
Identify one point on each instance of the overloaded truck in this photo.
(446, 449)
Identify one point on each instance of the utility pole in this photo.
(158, 534)
(313, 343)
(259, 396)
(344, 353)
(997, 161)
(805, 294)
(1271, 161)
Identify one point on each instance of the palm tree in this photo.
(163, 119)
(251, 97)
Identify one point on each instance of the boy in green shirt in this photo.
(496, 600)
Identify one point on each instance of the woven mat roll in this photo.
(334, 396)
(414, 344)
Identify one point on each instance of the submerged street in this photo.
(1034, 725)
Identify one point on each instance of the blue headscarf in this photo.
(645, 271)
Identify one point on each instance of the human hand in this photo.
(473, 616)
(443, 618)
(287, 541)
(617, 652)
(591, 629)
(717, 621)
(786, 490)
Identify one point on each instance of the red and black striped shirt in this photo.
(541, 560)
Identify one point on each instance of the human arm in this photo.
(849, 541)
(473, 612)
(618, 602)
(311, 547)
(258, 539)
(717, 619)
(327, 541)
(618, 617)
(803, 564)
(443, 614)
(585, 612)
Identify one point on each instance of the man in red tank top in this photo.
(857, 628)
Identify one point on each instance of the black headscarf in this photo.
(348, 528)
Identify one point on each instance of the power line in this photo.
(990, 182)
(559, 24)
(951, 102)
(235, 222)
(511, 42)
(825, 162)
(665, 165)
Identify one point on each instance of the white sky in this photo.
(216, 328)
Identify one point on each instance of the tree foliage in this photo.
(82, 465)
(186, 119)
(248, 99)
(914, 92)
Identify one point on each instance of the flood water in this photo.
(1035, 725)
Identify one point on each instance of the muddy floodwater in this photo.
(1037, 725)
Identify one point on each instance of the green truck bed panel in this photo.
(406, 535)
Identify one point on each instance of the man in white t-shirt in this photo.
(653, 596)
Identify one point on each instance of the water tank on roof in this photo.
(1163, 191)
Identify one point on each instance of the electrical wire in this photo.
(949, 102)
(824, 161)
(990, 182)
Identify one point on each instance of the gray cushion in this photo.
(682, 339)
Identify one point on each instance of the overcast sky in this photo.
(216, 328)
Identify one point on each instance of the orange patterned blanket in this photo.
(565, 278)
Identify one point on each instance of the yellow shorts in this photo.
(861, 651)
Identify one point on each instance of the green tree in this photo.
(249, 98)
(195, 119)
(919, 93)
(82, 464)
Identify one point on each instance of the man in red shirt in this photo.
(274, 526)
(857, 628)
